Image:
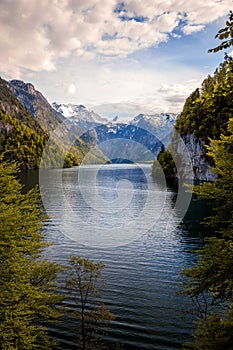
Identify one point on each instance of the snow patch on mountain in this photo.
(147, 133)
(79, 114)
(160, 125)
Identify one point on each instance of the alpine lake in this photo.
(120, 215)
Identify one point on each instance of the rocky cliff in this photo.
(201, 169)
(205, 116)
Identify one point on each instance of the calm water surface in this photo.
(143, 275)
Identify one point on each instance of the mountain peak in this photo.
(36, 103)
(115, 119)
(78, 114)
(27, 87)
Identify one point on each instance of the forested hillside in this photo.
(207, 110)
(205, 116)
(25, 129)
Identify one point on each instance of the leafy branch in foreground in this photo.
(83, 281)
(225, 35)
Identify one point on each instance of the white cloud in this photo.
(177, 93)
(35, 34)
(71, 89)
(189, 29)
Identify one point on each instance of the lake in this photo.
(119, 215)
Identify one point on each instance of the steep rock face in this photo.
(10, 105)
(200, 166)
(36, 103)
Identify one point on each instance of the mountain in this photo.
(79, 115)
(92, 137)
(27, 119)
(205, 116)
(160, 125)
(36, 103)
(138, 140)
(10, 105)
(21, 137)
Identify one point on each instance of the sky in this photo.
(115, 57)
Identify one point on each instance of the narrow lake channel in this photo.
(143, 264)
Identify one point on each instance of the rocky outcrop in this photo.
(36, 103)
(201, 169)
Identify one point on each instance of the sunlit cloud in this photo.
(71, 89)
(189, 29)
(110, 54)
(35, 34)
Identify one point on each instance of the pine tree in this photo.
(27, 295)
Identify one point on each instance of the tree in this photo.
(210, 282)
(167, 163)
(225, 34)
(83, 278)
(27, 295)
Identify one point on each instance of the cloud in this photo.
(71, 89)
(123, 110)
(168, 98)
(34, 35)
(177, 93)
(189, 29)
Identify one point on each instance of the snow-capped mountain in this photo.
(160, 125)
(79, 115)
(137, 140)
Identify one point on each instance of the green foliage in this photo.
(83, 281)
(10, 105)
(206, 111)
(225, 35)
(27, 295)
(19, 142)
(167, 163)
(210, 282)
(215, 333)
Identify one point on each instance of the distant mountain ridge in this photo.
(139, 139)
(146, 134)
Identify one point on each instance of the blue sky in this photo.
(118, 58)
